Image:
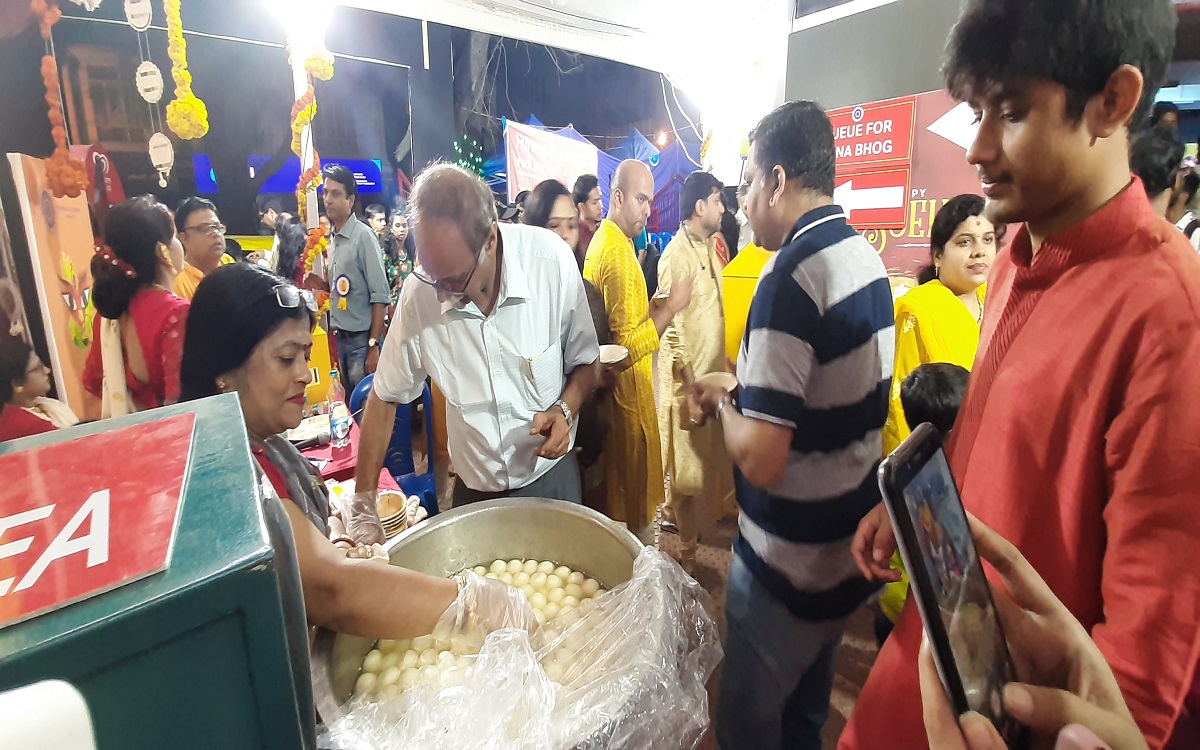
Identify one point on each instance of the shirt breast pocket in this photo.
(542, 377)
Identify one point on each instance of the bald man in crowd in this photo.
(496, 316)
(633, 460)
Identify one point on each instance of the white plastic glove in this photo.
(484, 605)
(360, 513)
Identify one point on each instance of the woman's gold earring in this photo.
(165, 253)
(222, 386)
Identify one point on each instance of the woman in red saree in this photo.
(137, 344)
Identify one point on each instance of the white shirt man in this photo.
(497, 371)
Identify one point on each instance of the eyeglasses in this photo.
(207, 228)
(290, 297)
(451, 286)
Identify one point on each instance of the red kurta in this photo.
(1079, 441)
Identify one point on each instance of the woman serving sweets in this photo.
(251, 334)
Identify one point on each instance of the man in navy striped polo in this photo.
(805, 435)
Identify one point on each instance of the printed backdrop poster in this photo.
(59, 234)
(535, 155)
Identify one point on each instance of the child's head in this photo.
(933, 393)
(1056, 86)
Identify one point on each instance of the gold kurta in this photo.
(695, 460)
(633, 462)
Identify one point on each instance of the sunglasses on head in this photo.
(289, 297)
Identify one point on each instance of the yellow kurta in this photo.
(633, 462)
(932, 325)
(190, 277)
(695, 460)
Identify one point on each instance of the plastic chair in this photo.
(358, 398)
(399, 457)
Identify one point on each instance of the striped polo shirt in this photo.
(816, 358)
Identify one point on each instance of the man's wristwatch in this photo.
(372, 343)
(566, 410)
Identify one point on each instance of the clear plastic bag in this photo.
(630, 672)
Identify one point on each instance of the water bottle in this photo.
(339, 413)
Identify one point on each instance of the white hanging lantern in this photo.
(162, 156)
(149, 81)
(139, 13)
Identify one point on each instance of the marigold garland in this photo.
(319, 65)
(308, 182)
(314, 247)
(322, 304)
(65, 175)
(303, 112)
(187, 116)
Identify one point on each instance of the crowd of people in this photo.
(1060, 371)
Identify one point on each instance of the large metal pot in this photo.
(528, 528)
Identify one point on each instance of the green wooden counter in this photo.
(212, 652)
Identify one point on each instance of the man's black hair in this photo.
(698, 186)
(1155, 156)
(1161, 109)
(374, 210)
(1191, 185)
(1078, 44)
(934, 393)
(189, 206)
(584, 187)
(798, 137)
(266, 203)
(343, 176)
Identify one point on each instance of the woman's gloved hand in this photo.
(483, 606)
(360, 513)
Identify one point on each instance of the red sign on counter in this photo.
(85, 516)
(877, 132)
(876, 198)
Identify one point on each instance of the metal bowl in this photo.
(477, 534)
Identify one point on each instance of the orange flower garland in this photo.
(319, 65)
(303, 112)
(65, 175)
(314, 247)
(187, 116)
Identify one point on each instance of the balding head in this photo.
(632, 196)
(453, 223)
(444, 192)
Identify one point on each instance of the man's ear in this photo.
(1114, 107)
(780, 184)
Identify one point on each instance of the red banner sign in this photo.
(871, 133)
(85, 516)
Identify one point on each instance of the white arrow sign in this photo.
(957, 126)
(868, 198)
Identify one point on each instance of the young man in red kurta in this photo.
(1079, 438)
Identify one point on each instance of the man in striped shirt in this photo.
(805, 435)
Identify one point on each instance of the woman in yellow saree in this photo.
(939, 321)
